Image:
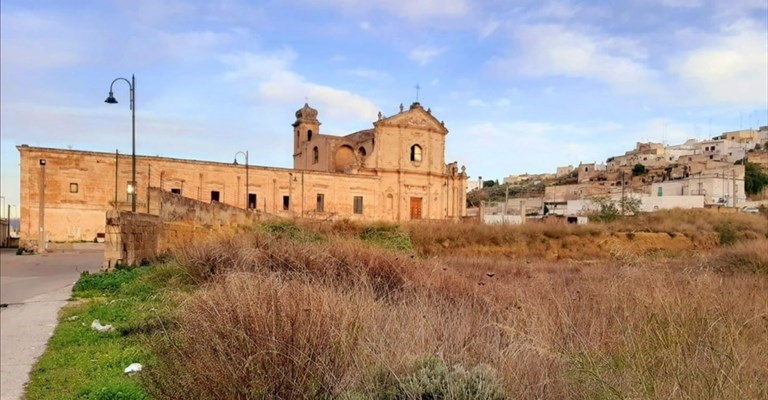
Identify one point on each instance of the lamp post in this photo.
(247, 197)
(111, 100)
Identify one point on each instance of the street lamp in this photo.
(247, 197)
(111, 100)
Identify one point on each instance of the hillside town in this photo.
(694, 174)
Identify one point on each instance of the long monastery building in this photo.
(395, 171)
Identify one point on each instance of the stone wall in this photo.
(184, 219)
(130, 238)
(173, 221)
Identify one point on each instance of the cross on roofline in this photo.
(417, 92)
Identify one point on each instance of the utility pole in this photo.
(41, 217)
(506, 198)
(622, 193)
(8, 233)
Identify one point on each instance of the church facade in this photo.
(393, 172)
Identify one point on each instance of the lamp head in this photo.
(235, 162)
(111, 99)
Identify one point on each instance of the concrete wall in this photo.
(502, 219)
(648, 204)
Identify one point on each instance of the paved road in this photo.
(34, 288)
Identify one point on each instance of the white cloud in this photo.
(488, 28)
(367, 73)
(425, 54)
(193, 44)
(502, 102)
(277, 82)
(41, 41)
(556, 50)
(681, 3)
(365, 25)
(558, 10)
(409, 9)
(732, 68)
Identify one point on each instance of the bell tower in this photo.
(305, 129)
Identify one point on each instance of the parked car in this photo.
(750, 210)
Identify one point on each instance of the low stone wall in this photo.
(184, 219)
(131, 238)
(172, 221)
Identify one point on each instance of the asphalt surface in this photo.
(33, 288)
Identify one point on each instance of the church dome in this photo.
(306, 113)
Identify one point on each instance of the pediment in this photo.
(415, 118)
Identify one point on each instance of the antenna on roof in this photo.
(417, 91)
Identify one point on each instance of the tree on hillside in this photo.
(639, 169)
(754, 178)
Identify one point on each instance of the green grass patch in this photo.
(387, 236)
(289, 230)
(81, 363)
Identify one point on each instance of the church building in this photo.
(393, 172)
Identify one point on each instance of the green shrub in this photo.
(727, 233)
(431, 378)
(289, 230)
(387, 236)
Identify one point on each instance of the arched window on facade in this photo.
(361, 151)
(416, 153)
(309, 135)
(315, 155)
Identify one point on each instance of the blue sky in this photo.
(523, 86)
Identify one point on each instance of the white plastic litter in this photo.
(133, 368)
(97, 326)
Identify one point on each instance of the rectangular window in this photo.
(73, 187)
(252, 200)
(286, 202)
(320, 203)
(214, 195)
(176, 191)
(358, 204)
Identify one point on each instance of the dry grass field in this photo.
(444, 311)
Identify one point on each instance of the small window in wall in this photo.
(361, 151)
(176, 191)
(214, 195)
(73, 187)
(358, 205)
(309, 135)
(315, 155)
(416, 153)
(286, 202)
(320, 203)
(252, 200)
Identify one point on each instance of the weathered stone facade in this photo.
(395, 172)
